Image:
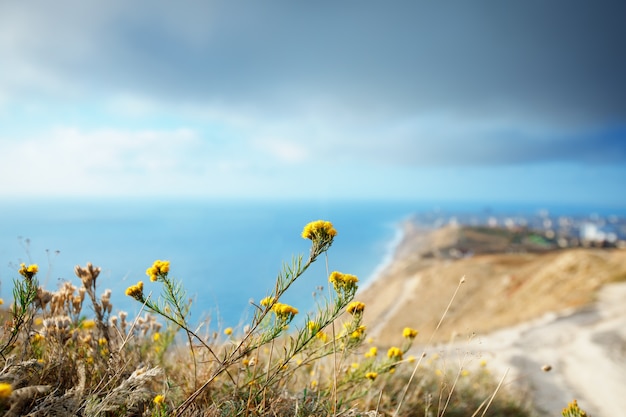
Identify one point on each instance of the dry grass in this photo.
(57, 359)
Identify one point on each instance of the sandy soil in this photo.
(585, 348)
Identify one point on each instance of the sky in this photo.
(484, 100)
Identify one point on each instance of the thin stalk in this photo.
(181, 316)
(406, 388)
(334, 390)
(495, 392)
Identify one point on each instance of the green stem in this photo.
(181, 316)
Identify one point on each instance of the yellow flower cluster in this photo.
(28, 271)
(409, 333)
(135, 291)
(573, 410)
(157, 269)
(88, 324)
(312, 326)
(343, 282)
(355, 307)
(284, 311)
(371, 375)
(358, 332)
(266, 301)
(159, 399)
(5, 390)
(319, 230)
(394, 353)
(322, 336)
(372, 352)
(228, 331)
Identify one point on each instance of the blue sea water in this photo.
(225, 252)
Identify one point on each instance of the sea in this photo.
(227, 254)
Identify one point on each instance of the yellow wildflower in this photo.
(136, 291)
(409, 333)
(465, 372)
(228, 331)
(322, 336)
(355, 307)
(38, 337)
(88, 324)
(372, 352)
(156, 337)
(411, 359)
(1, 301)
(371, 375)
(266, 301)
(343, 282)
(158, 268)
(312, 326)
(573, 409)
(319, 230)
(354, 365)
(159, 399)
(102, 341)
(284, 312)
(358, 332)
(28, 271)
(394, 353)
(5, 390)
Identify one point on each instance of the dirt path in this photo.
(586, 350)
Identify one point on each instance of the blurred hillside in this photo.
(511, 276)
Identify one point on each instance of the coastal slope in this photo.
(509, 278)
(523, 305)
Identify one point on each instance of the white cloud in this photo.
(286, 151)
(107, 162)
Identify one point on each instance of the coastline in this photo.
(393, 249)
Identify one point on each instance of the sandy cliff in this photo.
(505, 284)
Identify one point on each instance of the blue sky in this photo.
(483, 100)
